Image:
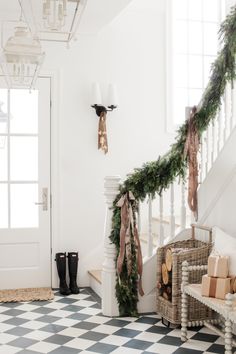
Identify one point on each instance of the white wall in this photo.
(223, 213)
(216, 199)
(130, 52)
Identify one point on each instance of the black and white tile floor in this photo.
(74, 324)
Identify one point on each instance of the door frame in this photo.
(54, 202)
(55, 231)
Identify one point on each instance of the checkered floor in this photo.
(74, 324)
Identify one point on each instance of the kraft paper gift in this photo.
(225, 245)
(215, 287)
(218, 266)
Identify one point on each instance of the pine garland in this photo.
(156, 176)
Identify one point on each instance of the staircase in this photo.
(157, 221)
(158, 230)
(166, 217)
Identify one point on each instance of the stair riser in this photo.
(95, 286)
(147, 303)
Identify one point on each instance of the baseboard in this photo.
(147, 303)
(95, 282)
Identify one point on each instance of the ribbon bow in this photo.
(190, 151)
(128, 235)
(102, 133)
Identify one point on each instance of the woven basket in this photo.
(197, 255)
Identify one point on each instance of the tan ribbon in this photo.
(217, 259)
(128, 228)
(190, 151)
(102, 133)
(212, 290)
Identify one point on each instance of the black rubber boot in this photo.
(61, 268)
(73, 267)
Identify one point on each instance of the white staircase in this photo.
(157, 221)
(218, 168)
(157, 231)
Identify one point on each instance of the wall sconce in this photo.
(101, 112)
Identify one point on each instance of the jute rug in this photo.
(26, 294)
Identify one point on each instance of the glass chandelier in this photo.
(53, 20)
(54, 14)
(21, 58)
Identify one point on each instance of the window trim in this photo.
(170, 126)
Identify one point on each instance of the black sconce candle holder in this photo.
(99, 109)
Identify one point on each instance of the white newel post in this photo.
(109, 302)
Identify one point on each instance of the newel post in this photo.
(109, 302)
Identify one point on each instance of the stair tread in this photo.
(96, 274)
(166, 220)
(145, 240)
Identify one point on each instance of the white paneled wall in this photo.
(125, 55)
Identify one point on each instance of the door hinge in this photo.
(50, 201)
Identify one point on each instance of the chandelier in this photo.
(53, 20)
(21, 58)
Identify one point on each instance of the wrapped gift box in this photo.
(215, 287)
(218, 266)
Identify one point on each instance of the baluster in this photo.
(109, 301)
(161, 221)
(231, 95)
(139, 218)
(209, 145)
(213, 142)
(226, 118)
(192, 218)
(233, 104)
(172, 211)
(183, 206)
(150, 236)
(202, 159)
(219, 120)
(206, 139)
(228, 108)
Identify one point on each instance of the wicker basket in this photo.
(197, 255)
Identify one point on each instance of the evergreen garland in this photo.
(156, 176)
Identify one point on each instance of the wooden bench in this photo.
(225, 308)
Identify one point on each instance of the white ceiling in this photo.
(97, 14)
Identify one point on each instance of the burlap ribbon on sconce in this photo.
(102, 133)
(190, 151)
(129, 235)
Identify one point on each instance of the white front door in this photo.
(25, 244)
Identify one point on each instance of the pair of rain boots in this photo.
(61, 269)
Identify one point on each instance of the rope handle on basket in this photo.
(201, 227)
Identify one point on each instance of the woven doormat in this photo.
(26, 294)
